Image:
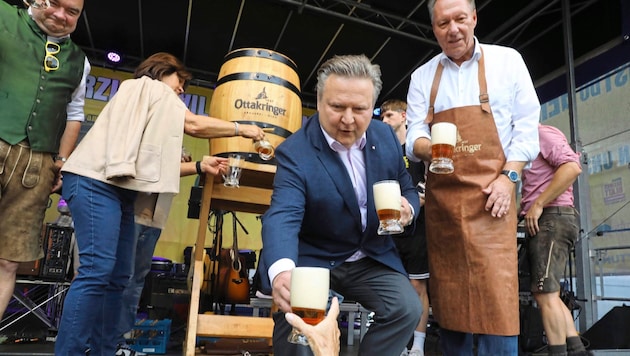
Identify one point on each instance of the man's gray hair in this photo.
(431, 5)
(350, 66)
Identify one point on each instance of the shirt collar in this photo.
(476, 54)
(337, 146)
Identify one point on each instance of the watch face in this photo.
(513, 176)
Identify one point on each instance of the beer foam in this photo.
(387, 195)
(444, 132)
(309, 287)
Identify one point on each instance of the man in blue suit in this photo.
(322, 209)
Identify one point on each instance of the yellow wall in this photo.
(179, 231)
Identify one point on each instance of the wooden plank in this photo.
(243, 194)
(231, 326)
(189, 343)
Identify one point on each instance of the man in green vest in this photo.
(42, 92)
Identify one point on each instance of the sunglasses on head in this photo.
(50, 61)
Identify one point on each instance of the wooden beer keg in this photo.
(256, 86)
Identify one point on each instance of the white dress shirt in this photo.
(513, 99)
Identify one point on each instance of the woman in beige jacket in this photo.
(134, 146)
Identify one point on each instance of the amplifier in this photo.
(56, 242)
(165, 296)
(57, 254)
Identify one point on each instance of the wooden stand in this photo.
(253, 196)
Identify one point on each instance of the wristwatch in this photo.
(512, 175)
(60, 158)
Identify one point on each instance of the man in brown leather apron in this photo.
(471, 213)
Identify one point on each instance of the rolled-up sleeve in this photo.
(75, 107)
(417, 108)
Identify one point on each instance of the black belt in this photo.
(559, 210)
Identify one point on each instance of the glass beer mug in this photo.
(387, 200)
(443, 139)
(264, 148)
(309, 297)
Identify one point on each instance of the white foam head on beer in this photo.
(309, 287)
(444, 132)
(387, 195)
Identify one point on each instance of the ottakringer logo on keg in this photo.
(261, 104)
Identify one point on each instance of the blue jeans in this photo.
(455, 343)
(103, 217)
(147, 238)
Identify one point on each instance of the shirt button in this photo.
(38, 101)
(34, 114)
(30, 128)
(41, 88)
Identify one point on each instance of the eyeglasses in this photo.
(50, 61)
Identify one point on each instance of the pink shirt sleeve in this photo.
(554, 152)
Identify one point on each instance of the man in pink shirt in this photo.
(552, 225)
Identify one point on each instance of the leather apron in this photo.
(472, 255)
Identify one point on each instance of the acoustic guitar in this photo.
(235, 279)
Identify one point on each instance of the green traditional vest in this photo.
(32, 101)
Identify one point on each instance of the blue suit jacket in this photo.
(314, 216)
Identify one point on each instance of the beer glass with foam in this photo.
(264, 148)
(388, 202)
(234, 169)
(309, 297)
(443, 139)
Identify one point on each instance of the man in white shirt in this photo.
(486, 91)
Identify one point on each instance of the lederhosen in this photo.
(472, 255)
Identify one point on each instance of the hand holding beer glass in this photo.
(443, 139)
(388, 202)
(309, 297)
(234, 169)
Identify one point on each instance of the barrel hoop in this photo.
(249, 157)
(262, 77)
(261, 53)
(269, 128)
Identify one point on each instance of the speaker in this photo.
(194, 202)
(610, 332)
(532, 330)
(165, 296)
